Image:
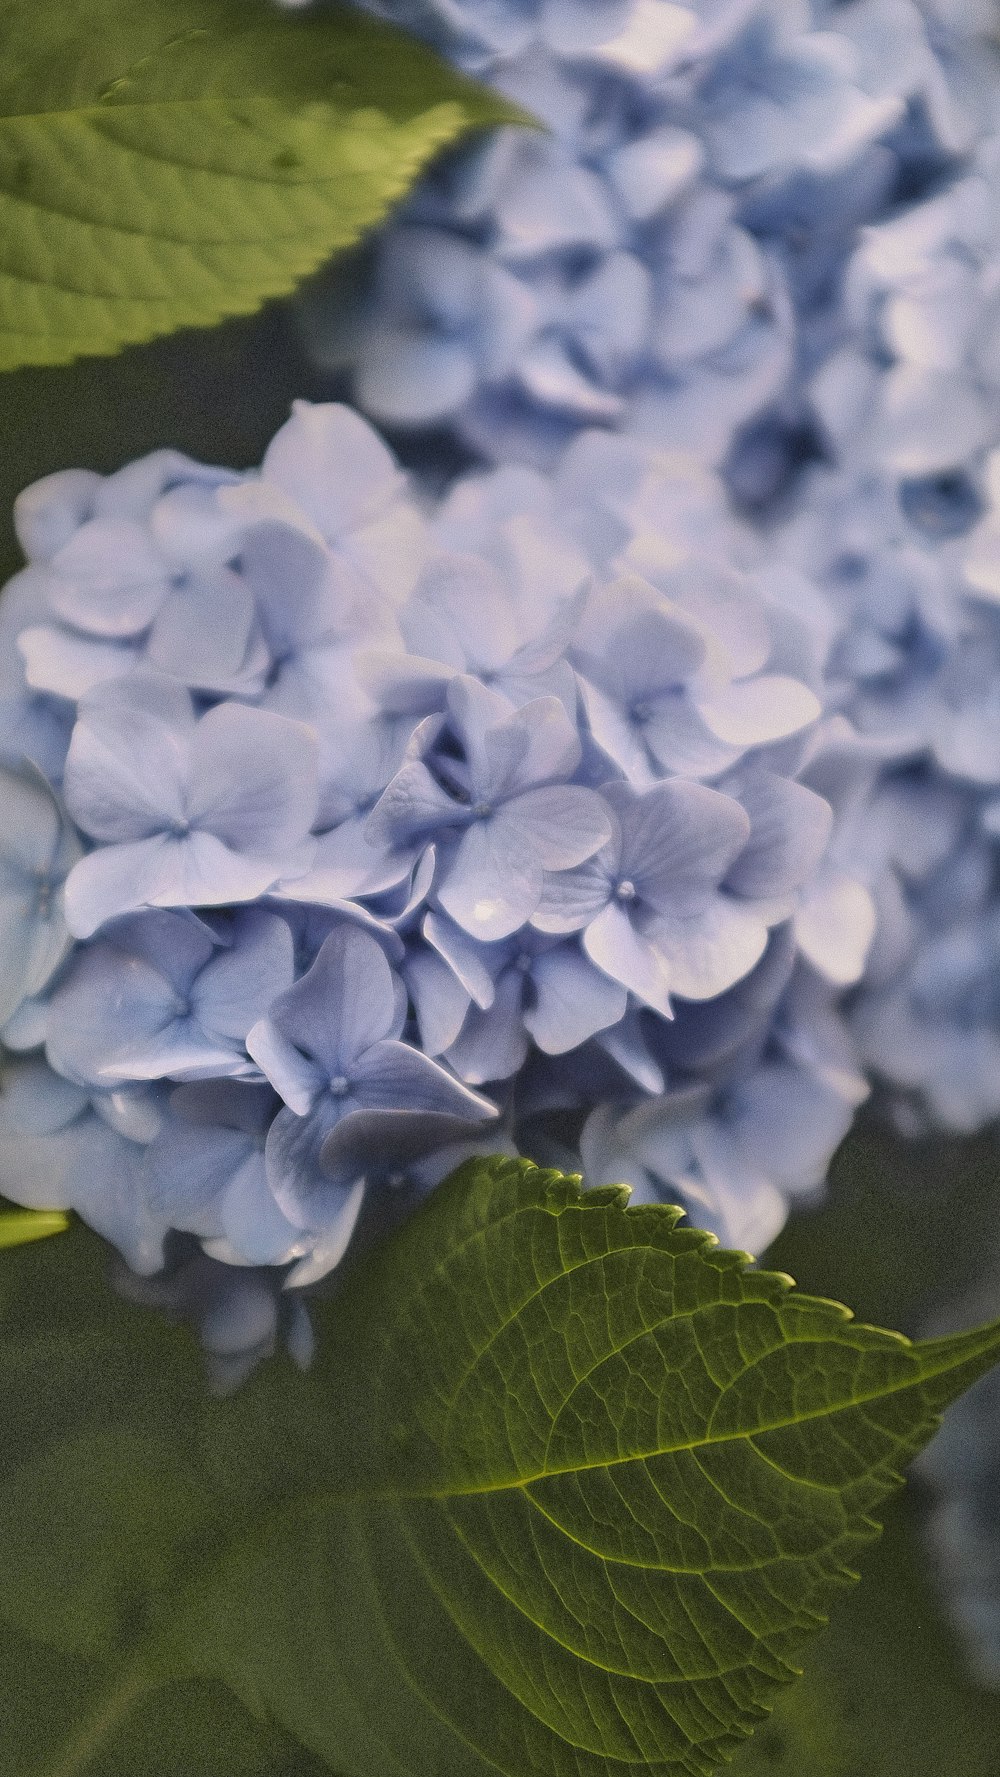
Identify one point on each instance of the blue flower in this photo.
(62, 1147)
(164, 996)
(455, 827)
(240, 1313)
(781, 96)
(657, 700)
(356, 1098)
(205, 1173)
(648, 904)
(482, 1005)
(504, 811)
(33, 727)
(733, 1150)
(189, 811)
(465, 617)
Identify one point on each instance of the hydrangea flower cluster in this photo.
(900, 528)
(347, 836)
(667, 256)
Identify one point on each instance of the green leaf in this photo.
(19, 1226)
(567, 1491)
(165, 164)
(885, 1691)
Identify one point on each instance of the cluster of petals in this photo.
(348, 834)
(667, 256)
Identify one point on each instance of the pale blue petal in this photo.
(408, 376)
(68, 665)
(293, 1075)
(47, 513)
(107, 1004)
(333, 465)
(439, 999)
(36, 1101)
(412, 805)
(561, 825)
(239, 984)
(114, 880)
(475, 965)
(343, 1004)
(572, 898)
(379, 1142)
(253, 780)
(789, 830)
(108, 580)
(203, 635)
(492, 1044)
(347, 862)
(488, 889)
(572, 1000)
(126, 772)
(392, 1076)
(705, 955)
(326, 1251)
(678, 840)
(623, 952)
(750, 712)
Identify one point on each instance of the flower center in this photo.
(481, 810)
(642, 712)
(340, 1085)
(523, 961)
(180, 828)
(625, 890)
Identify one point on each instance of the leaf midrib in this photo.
(97, 109)
(356, 1497)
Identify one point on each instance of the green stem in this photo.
(108, 1712)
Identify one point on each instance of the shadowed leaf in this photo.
(568, 1491)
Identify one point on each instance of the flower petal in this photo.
(333, 465)
(343, 1004)
(392, 1076)
(573, 1000)
(254, 778)
(616, 946)
(561, 824)
(493, 883)
(708, 953)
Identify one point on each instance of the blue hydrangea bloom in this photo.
(515, 822)
(669, 258)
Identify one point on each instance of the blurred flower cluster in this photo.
(667, 255)
(349, 833)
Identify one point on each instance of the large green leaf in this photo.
(567, 1492)
(168, 162)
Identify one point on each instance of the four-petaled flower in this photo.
(191, 812)
(357, 1100)
(503, 813)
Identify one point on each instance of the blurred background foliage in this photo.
(897, 1236)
